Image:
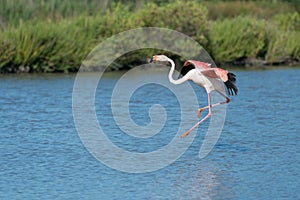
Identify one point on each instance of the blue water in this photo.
(256, 157)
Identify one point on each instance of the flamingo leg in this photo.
(202, 120)
(216, 104)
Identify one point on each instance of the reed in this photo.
(47, 46)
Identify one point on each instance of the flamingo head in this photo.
(162, 58)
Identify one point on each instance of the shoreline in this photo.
(227, 66)
(258, 64)
(241, 64)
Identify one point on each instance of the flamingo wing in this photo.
(192, 64)
(216, 73)
(206, 69)
(197, 64)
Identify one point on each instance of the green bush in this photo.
(117, 20)
(188, 17)
(284, 38)
(283, 46)
(232, 39)
(288, 22)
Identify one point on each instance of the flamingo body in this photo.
(207, 81)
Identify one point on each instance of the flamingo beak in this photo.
(153, 59)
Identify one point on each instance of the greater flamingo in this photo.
(205, 76)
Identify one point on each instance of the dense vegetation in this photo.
(55, 36)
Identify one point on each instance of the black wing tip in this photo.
(230, 84)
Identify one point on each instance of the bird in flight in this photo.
(205, 76)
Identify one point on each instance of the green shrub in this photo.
(284, 38)
(232, 39)
(283, 46)
(288, 22)
(188, 17)
(117, 20)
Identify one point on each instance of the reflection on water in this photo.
(256, 156)
(204, 181)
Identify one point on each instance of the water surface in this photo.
(256, 157)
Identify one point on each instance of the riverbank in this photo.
(246, 40)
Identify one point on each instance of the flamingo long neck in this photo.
(176, 82)
(171, 71)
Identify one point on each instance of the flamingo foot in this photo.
(195, 126)
(185, 134)
(199, 112)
